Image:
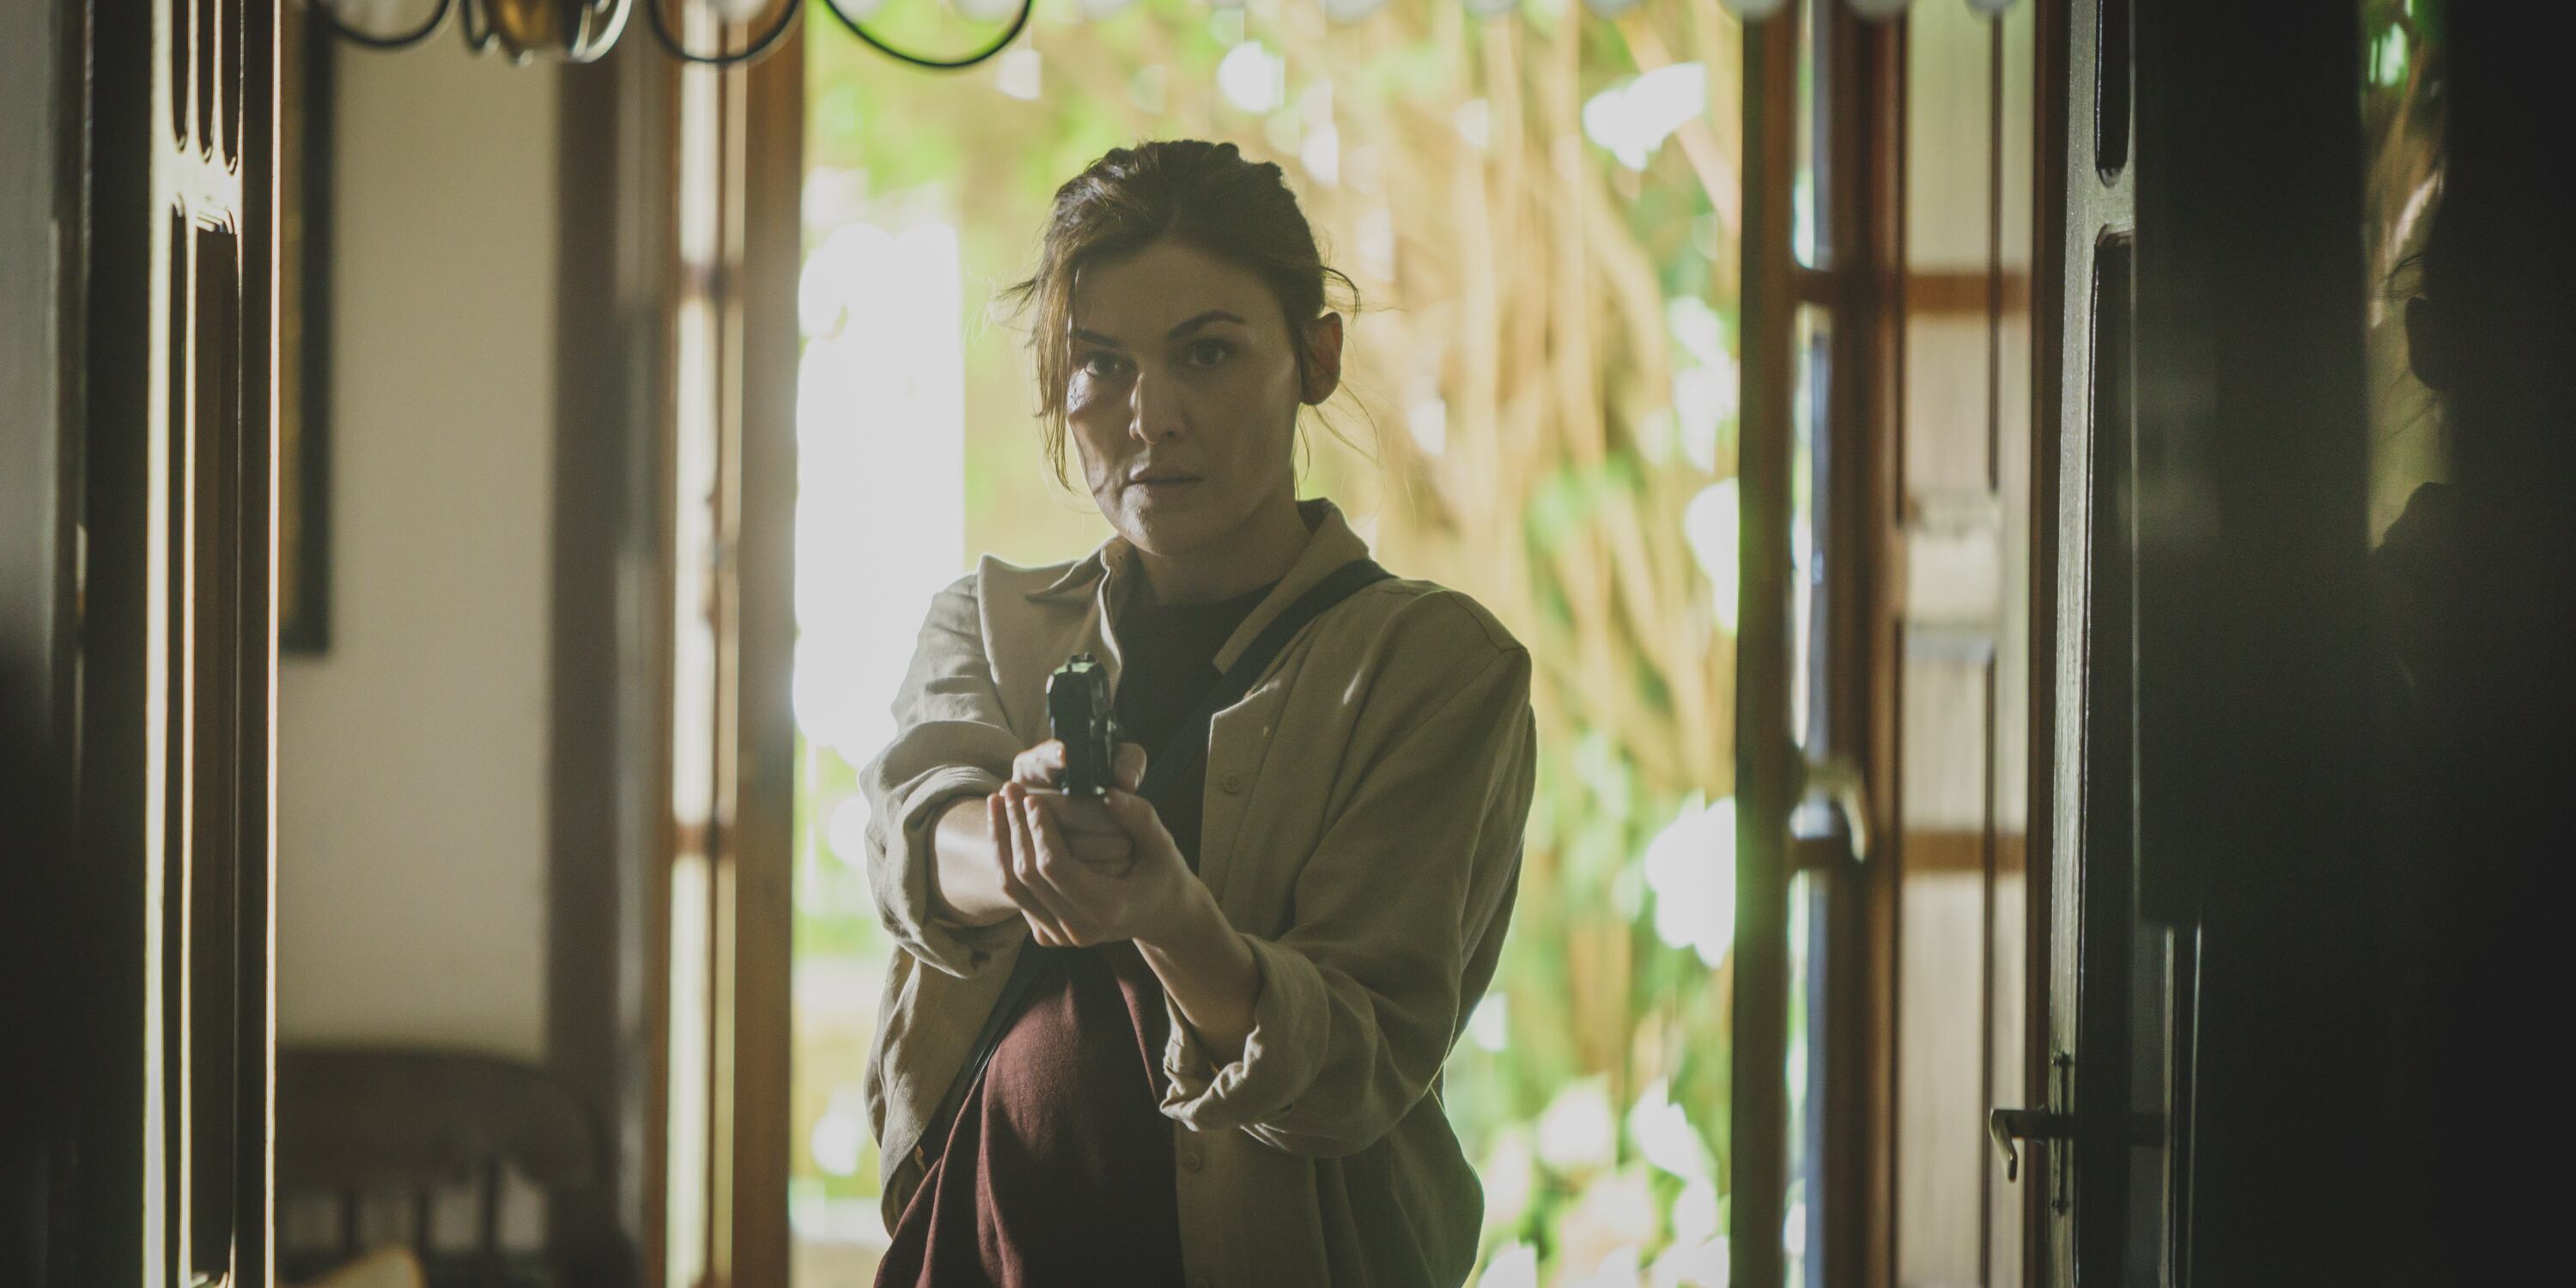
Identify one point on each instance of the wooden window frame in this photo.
(1859, 282)
(1863, 278)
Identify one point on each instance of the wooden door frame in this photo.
(623, 278)
(608, 652)
(1865, 657)
(741, 267)
(1766, 783)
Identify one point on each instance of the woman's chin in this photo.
(1167, 530)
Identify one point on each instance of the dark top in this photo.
(1058, 1169)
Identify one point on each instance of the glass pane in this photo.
(1810, 518)
(1811, 395)
(2111, 105)
(1802, 1231)
(2122, 1172)
(1809, 196)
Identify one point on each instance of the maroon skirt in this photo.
(1058, 1169)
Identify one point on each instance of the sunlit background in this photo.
(1540, 210)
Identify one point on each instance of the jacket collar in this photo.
(1081, 574)
(1332, 543)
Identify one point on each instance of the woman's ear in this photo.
(1323, 366)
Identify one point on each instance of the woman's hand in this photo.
(1073, 901)
(1152, 898)
(1089, 833)
(1042, 764)
(972, 844)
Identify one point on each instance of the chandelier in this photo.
(579, 31)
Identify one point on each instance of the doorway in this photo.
(1540, 210)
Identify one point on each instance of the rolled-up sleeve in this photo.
(1400, 912)
(951, 740)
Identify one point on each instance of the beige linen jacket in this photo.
(1364, 809)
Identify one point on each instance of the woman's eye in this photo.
(1098, 365)
(1207, 353)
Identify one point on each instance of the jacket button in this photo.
(1234, 782)
(1190, 1162)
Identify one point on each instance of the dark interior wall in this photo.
(2483, 731)
(34, 600)
(76, 220)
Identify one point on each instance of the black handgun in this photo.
(1080, 716)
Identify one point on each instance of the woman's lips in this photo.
(1164, 483)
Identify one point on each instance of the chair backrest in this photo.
(355, 1121)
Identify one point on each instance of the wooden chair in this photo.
(360, 1121)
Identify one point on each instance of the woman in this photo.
(1220, 1063)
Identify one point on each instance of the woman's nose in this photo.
(1154, 412)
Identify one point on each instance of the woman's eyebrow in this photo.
(1212, 315)
(1178, 332)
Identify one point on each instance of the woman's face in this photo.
(1183, 396)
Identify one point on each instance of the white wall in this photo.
(412, 756)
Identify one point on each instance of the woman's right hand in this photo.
(973, 844)
(1089, 832)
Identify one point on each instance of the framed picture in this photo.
(304, 337)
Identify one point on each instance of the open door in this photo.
(2204, 1069)
(2108, 1101)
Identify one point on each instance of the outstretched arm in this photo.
(966, 886)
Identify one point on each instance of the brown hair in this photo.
(1203, 195)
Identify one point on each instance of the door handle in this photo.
(2007, 1125)
(1835, 782)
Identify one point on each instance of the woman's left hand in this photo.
(1072, 904)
